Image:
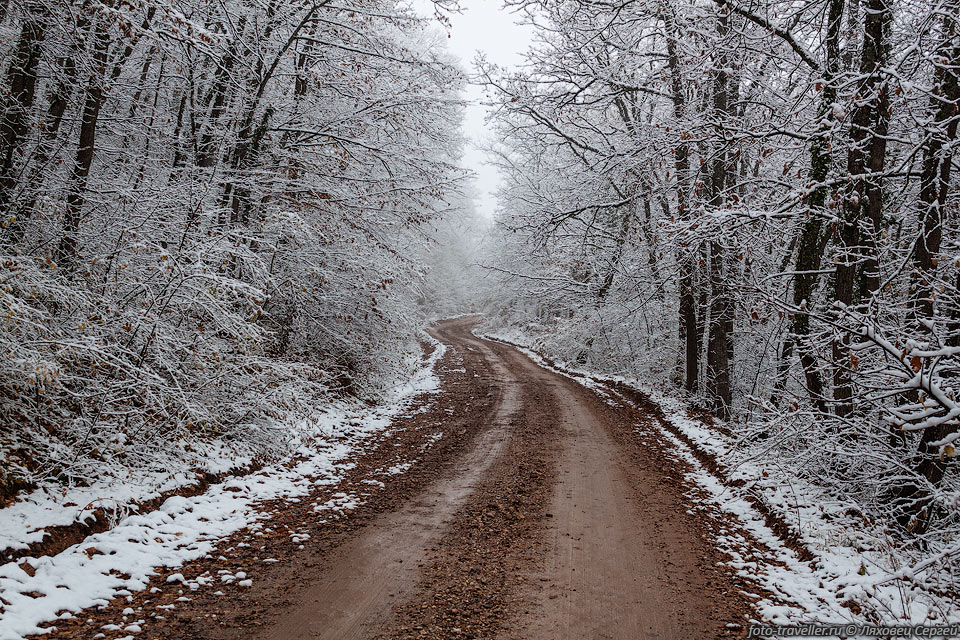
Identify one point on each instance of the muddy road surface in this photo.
(609, 550)
(540, 514)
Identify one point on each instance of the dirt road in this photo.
(540, 514)
(614, 553)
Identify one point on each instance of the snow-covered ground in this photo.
(856, 562)
(122, 559)
(857, 576)
(26, 521)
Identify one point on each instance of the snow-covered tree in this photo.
(752, 199)
(208, 213)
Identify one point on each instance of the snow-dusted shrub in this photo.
(214, 235)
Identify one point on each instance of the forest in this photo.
(213, 213)
(756, 201)
(242, 263)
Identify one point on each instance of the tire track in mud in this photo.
(352, 597)
(473, 583)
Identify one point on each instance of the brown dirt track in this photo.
(539, 515)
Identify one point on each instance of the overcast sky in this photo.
(484, 26)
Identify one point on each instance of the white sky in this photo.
(484, 26)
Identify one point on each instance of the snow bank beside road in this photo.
(26, 521)
(123, 559)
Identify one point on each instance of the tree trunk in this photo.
(719, 345)
(935, 179)
(877, 25)
(22, 83)
(719, 337)
(812, 243)
(864, 199)
(67, 250)
(689, 335)
(914, 497)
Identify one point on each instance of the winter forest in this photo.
(751, 200)
(212, 212)
(222, 219)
